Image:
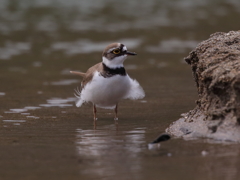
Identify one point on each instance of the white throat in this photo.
(117, 62)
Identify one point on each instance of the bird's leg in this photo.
(94, 115)
(116, 111)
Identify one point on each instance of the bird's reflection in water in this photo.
(95, 124)
(107, 152)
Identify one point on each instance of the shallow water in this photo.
(43, 135)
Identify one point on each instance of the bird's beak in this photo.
(131, 53)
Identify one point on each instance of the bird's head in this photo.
(115, 54)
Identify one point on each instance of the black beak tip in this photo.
(131, 53)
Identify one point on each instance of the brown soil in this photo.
(216, 70)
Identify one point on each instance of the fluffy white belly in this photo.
(106, 92)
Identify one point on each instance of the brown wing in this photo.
(90, 72)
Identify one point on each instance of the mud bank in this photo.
(215, 66)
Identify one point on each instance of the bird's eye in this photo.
(116, 51)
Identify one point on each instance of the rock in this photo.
(216, 70)
(161, 138)
(156, 143)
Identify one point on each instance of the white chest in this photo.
(106, 92)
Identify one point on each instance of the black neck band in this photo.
(108, 72)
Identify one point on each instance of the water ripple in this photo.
(2, 93)
(13, 48)
(59, 102)
(173, 46)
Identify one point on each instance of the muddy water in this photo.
(44, 136)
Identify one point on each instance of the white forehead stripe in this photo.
(124, 48)
(111, 49)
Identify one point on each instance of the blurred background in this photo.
(43, 134)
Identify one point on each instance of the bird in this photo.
(107, 82)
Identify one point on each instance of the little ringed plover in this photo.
(107, 82)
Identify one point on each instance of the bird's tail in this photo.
(78, 73)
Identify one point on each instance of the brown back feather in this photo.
(90, 72)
